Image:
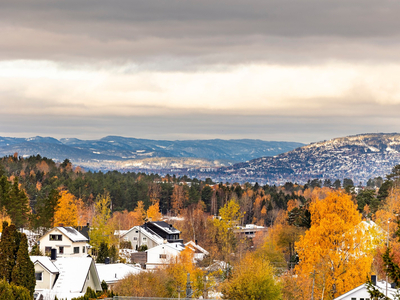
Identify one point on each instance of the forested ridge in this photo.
(38, 176)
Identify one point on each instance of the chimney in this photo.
(373, 279)
(107, 261)
(195, 241)
(53, 255)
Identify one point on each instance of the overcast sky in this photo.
(288, 70)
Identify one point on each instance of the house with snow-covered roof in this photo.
(199, 252)
(67, 240)
(139, 236)
(65, 277)
(113, 273)
(165, 230)
(162, 254)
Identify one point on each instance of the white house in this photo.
(199, 252)
(65, 277)
(361, 292)
(112, 273)
(67, 240)
(162, 254)
(139, 236)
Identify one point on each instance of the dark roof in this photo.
(84, 230)
(165, 227)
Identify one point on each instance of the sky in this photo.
(279, 70)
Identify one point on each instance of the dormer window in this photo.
(55, 237)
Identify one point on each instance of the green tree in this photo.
(337, 184)
(8, 250)
(46, 208)
(206, 195)
(17, 205)
(23, 273)
(103, 253)
(367, 197)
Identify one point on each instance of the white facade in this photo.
(65, 277)
(162, 254)
(67, 240)
(113, 273)
(139, 236)
(361, 292)
(199, 252)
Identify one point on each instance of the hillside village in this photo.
(224, 239)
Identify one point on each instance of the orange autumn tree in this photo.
(67, 211)
(153, 213)
(335, 252)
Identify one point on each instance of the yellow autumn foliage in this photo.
(336, 248)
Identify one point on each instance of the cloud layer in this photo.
(282, 70)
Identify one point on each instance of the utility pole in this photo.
(189, 291)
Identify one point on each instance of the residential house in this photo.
(165, 230)
(361, 292)
(67, 240)
(199, 252)
(249, 230)
(64, 277)
(150, 234)
(113, 273)
(139, 236)
(162, 254)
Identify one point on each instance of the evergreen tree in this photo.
(23, 273)
(113, 252)
(103, 253)
(18, 205)
(46, 208)
(8, 250)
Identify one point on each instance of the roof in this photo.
(45, 262)
(111, 273)
(84, 230)
(73, 273)
(380, 285)
(73, 234)
(166, 227)
(146, 231)
(196, 247)
(174, 246)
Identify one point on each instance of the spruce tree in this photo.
(23, 273)
(8, 250)
(103, 253)
(18, 205)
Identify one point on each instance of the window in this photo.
(83, 249)
(76, 250)
(55, 237)
(163, 256)
(39, 276)
(47, 250)
(144, 239)
(61, 250)
(135, 238)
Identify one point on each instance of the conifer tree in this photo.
(18, 205)
(23, 273)
(103, 253)
(8, 250)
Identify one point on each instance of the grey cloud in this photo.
(300, 129)
(199, 32)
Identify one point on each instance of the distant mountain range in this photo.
(115, 152)
(358, 157)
